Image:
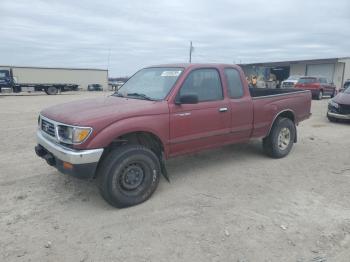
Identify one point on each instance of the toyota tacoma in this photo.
(124, 139)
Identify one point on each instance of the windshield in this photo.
(3, 74)
(347, 91)
(307, 80)
(293, 78)
(151, 83)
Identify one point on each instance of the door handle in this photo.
(223, 109)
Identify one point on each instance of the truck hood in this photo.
(290, 81)
(101, 112)
(342, 98)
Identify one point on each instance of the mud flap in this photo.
(163, 168)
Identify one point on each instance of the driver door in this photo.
(204, 124)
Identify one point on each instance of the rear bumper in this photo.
(79, 163)
(338, 116)
(314, 92)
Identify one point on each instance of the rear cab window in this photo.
(323, 80)
(205, 83)
(234, 83)
(307, 80)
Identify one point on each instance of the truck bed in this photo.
(266, 92)
(268, 103)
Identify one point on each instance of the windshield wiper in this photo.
(143, 96)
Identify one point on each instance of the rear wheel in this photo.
(280, 141)
(128, 175)
(51, 90)
(320, 95)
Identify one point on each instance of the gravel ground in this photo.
(229, 204)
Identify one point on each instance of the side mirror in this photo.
(187, 99)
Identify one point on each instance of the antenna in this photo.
(191, 50)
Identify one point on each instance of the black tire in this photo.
(272, 145)
(128, 175)
(333, 94)
(319, 95)
(51, 90)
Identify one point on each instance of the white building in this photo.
(336, 70)
(45, 75)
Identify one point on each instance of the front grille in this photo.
(344, 109)
(48, 127)
(288, 84)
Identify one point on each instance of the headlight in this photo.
(334, 104)
(73, 135)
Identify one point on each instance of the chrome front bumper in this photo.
(339, 116)
(75, 157)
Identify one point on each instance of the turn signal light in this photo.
(67, 165)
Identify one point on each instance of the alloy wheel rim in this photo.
(284, 138)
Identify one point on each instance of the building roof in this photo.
(286, 63)
(59, 68)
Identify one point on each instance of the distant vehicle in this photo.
(339, 106)
(115, 84)
(290, 81)
(162, 112)
(119, 84)
(95, 87)
(319, 86)
(9, 83)
(346, 85)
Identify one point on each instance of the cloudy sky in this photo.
(66, 33)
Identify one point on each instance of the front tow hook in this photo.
(42, 152)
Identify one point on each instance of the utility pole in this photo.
(191, 49)
(108, 58)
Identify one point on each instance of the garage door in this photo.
(325, 70)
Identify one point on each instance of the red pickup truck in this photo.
(319, 86)
(165, 111)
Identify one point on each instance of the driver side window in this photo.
(205, 83)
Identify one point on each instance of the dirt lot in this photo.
(230, 204)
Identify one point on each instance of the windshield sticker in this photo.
(171, 73)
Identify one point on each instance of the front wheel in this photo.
(333, 94)
(51, 90)
(128, 175)
(332, 119)
(280, 141)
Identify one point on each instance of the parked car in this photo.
(319, 86)
(346, 85)
(115, 85)
(163, 112)
(339, 106)
(95, 87)
(290, 81)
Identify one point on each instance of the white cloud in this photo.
(139, 33)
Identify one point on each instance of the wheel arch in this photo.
(144, 138)
(287, 113)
